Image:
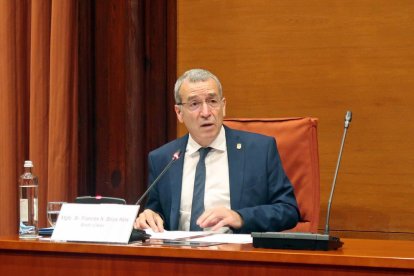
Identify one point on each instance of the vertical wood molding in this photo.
(87, 146)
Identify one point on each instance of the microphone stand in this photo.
(305, 241)
(175, 157)
(348, 118)
(139, 234)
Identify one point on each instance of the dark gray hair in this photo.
(195, 75)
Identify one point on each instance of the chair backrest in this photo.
(297, 143)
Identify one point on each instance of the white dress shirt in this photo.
(217, 188)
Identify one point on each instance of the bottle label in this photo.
(35, 208)
(24, 210)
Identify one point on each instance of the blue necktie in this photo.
(197, 207)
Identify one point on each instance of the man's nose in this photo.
(205, 109)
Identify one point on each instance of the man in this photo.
(244, 185)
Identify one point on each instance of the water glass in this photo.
(53, 209)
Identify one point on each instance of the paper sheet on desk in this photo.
(174, 235)
(200, 236)
(226, 238)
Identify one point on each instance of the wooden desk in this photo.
(357, 257)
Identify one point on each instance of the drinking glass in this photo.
(53, 209)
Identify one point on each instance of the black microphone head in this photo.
(176, 155)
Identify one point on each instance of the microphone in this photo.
(306, 241)
(348, 118)
(139, 234)
(174, 158)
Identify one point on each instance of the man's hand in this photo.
(219, 217)
(149, 219)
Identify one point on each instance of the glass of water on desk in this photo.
(53, 209)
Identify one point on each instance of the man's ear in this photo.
(179, 113)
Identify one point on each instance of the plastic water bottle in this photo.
(28, 211)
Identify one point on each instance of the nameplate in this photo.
(101, 223)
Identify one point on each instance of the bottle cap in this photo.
(28, 164)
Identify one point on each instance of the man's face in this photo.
(204, 121)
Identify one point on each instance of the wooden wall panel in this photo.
(321, 58)
(127, 57)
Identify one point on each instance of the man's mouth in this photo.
(207, 125)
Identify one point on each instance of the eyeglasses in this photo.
(194, 105)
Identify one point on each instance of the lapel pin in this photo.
(239, 146)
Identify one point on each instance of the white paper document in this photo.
(226, 238)
(200, 236)
(173, 235)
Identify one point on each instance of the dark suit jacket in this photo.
(259, 188)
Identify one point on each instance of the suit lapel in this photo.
(176, 183)
(235, 155)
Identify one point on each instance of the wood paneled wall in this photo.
(127, 68)
(320, 58)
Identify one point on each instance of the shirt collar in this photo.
(218, 144)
